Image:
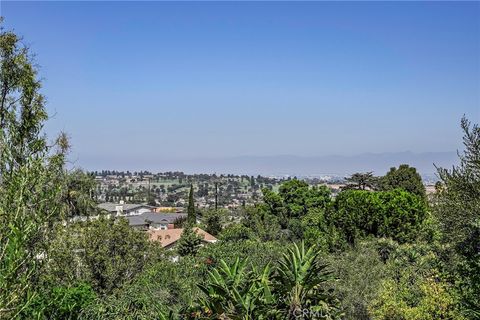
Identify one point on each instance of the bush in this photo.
(396, 214)
(359, 272)
(60, 303)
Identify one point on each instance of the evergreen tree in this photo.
(189, 243)
(406, 178)
(213, 223)
(191, 207)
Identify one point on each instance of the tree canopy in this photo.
(406, 178)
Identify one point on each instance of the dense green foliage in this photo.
(212, 220)
(457, 208)
(189, 242)
(107, 252)
(396, 214)
(406, 178)
(78, 195)
(295, 287)
(61, 302)
(309, 213)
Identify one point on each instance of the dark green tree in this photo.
(263, 224)
(192, 218)
(189, 243)
(213, 222)
(397, 214)
(299, 197)
(151, 200)
(317, 229)
(236, 232)
(406, 178)
(294, 199)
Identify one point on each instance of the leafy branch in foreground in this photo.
(30, 176)
(457, 208)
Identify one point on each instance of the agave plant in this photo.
(300, 285)
(236, 292)
(296, 290)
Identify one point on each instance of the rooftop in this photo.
(154, 217)
(170, 236)
(112, 207)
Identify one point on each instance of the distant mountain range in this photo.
(334, 165)
(379, 163)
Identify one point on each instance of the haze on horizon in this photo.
(151, 83)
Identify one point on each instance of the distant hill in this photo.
(379, 163)
(335, 165)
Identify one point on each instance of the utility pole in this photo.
(216, 195)
(148, 196)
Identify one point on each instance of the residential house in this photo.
(125, 209)
(169, 237)
(153, 220)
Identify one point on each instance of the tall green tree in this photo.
(457, 208)
(192, 218)
(31, 170)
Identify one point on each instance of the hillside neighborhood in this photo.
(258, 160)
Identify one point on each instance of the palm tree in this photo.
(361, 181)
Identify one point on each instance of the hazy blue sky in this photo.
(161, 80)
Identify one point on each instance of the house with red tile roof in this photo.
(169, 237)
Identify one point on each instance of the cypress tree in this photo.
(191, 207)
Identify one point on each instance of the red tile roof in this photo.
(170, 236)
